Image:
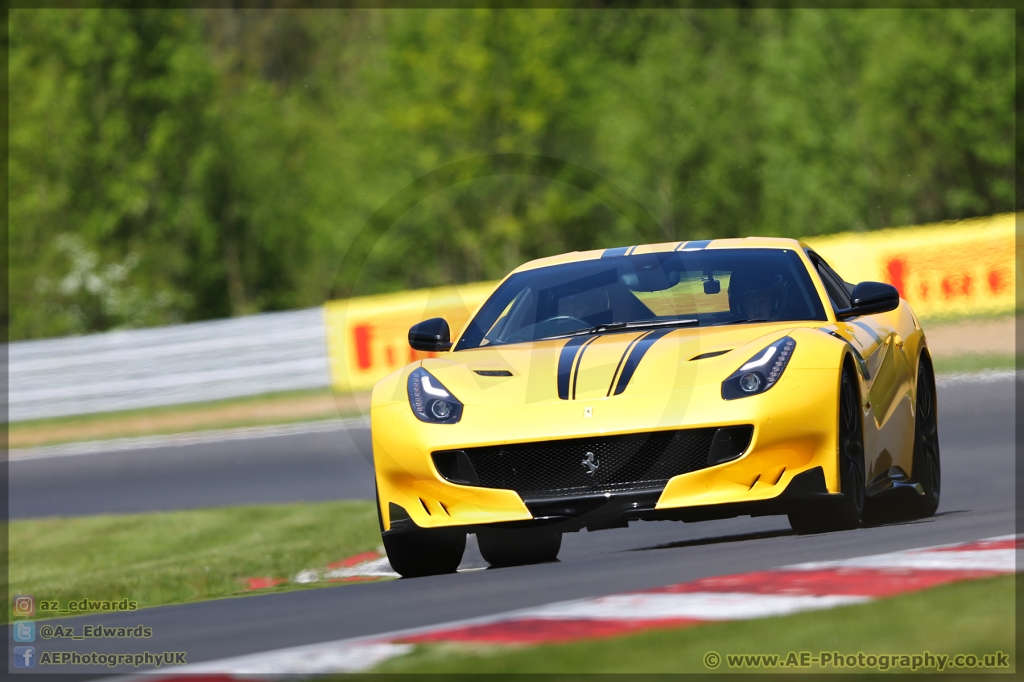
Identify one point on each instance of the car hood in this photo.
(601, 365)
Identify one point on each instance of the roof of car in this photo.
(692, 245)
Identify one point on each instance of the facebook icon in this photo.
(24, 657)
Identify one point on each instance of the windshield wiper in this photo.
(744, 321)
(624, 326)
(652, 324)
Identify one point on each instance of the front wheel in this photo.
(422, 552)
(845, 512)
(427, 551)
(518, 546)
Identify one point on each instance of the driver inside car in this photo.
(757, 295)
(592, 306)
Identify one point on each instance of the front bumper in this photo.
(616, 510)
(789, 464)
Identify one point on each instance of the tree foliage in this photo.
(174, 165)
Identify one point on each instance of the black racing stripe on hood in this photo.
(565, 360)
(629, 347)
(636, 355)
(579, 361)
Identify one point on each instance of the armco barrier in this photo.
(943, 269)
(167, 365)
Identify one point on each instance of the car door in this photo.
(884, 368)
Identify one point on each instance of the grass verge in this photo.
(272, 408)
(183, 556)
(973, 362)
(975, 617)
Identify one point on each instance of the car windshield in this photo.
(619, 293)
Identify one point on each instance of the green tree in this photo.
(172, 165)
(109, 143)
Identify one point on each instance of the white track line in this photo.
(314, 659)
(986, 376)
(1002, 560)
(695, 605)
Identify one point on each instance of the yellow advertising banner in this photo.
(368, 337)
(947, 269)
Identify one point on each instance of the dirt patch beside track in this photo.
(972, 336)
(278, 409)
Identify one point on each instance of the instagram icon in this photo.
(24, 605)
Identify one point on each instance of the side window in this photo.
(837, 289)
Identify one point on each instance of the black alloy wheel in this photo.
(926, 468)
(908, 504)
(845, 512)
(502, 547)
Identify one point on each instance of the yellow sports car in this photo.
(685, 381)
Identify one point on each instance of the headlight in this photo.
(761, 372)
(430, 401)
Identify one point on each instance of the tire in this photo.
(844, 513)
(428, 551)
(423, 552)
(380, 517)
(518, 547)
(926, 468)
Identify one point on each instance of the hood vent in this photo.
(493, 372)
(714, 353)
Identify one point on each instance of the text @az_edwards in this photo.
(112, 660)
(95, 632)
(85, 604)
(860, 660)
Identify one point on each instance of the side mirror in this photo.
(871, 297)
(431, 335)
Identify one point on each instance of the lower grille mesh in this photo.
(565, 468)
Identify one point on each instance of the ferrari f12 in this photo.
(687, 381)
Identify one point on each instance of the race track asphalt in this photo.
(313, 466)
(977, 431)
